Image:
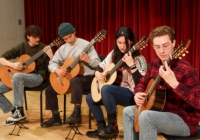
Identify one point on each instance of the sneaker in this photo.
(7, 123)
(16, 116)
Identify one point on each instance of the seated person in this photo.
(134, 67)
(179, 116)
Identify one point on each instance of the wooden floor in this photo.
(35, 132)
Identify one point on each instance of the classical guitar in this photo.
(28, 64)
(111, 73)
(155, 91)
(73, 67)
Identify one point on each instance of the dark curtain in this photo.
(91, 16)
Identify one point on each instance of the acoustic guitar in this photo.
(7, 72)
(111, 73)
(73, 67)
(156, 94)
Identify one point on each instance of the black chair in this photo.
(195, 136)
(40, 88)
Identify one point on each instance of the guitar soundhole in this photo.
(24, 66)
(69, 69)
(107, 77)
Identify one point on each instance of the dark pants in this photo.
(77, 85)
(111, 97)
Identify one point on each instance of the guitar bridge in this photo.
(9, 71)
(97, 84)
(59, 80)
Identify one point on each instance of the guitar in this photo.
(73, 67)
(156, 97)
(28, 64)
(111, 73)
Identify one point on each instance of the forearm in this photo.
(5, 62)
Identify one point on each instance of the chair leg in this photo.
(90, 118)
(41, 110)
(64, 109)
(25, 101)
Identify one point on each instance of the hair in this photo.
(128, 35)
(160, 31)
(32, 30)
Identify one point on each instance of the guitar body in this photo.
(155, 102)
(96, 86)
(7, 72)
(61, 84)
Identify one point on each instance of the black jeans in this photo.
(77, 84)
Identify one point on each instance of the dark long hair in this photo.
(128, 35)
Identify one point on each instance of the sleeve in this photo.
(14, 52)
(104, 64)
(94, 58)
(189, 88)
(57, 60)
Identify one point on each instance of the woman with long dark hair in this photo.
(133, 68)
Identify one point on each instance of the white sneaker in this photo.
(16, 116)
(7, 123)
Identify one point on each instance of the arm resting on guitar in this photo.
(5, 62)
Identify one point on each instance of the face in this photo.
(33, 40)
(163, 47)
(121, 43)
(70, 38)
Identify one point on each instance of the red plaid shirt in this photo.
(185, 99)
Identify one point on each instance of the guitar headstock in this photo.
(140, 44)
(181, 49)
(100, 36)
(57, 42)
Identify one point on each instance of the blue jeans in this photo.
(19, 81)
(111, 97)
(151, 123)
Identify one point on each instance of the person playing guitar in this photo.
(73, 48)
(133, 67)
(179, 116)
(30, 47)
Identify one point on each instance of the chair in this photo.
(195, 136)
(40, 88)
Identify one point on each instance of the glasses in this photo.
(164, 47)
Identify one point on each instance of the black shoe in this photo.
(111, 130)
(54, 121)
(75, 117)
(95, 133)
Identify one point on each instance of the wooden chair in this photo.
(195, 136)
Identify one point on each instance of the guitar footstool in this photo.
(20, 124)
(74, 127)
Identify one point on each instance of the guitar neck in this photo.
(76, 61)
(38, 54)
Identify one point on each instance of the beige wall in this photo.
(11, 33)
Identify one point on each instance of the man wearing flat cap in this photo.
(73, 47)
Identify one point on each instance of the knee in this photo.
(17, 77)
(127, 110)
(74, 81)
(144, 115)
(89, 99)
(104, 90)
